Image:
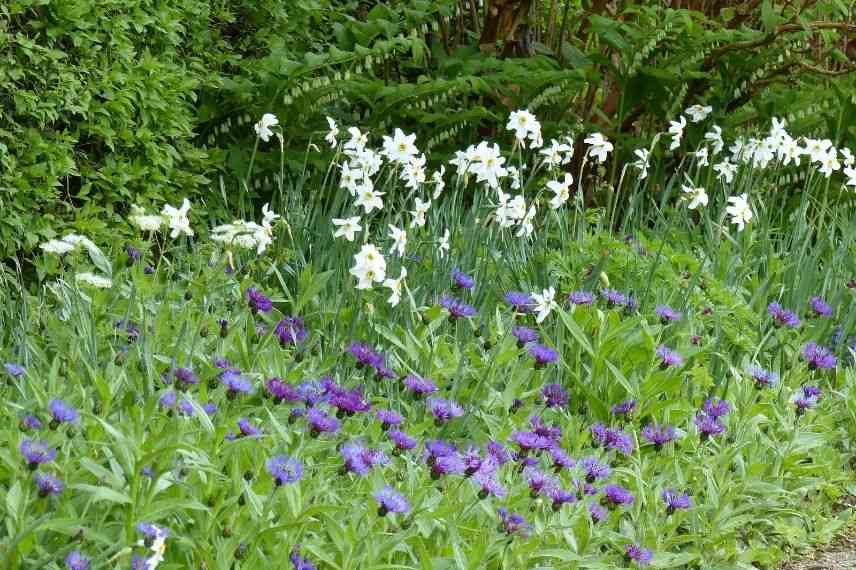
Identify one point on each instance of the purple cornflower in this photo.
(554, 395)
(659, 434)
(782, 316)
(594, 469)
(246, 429)
(284, 469)
(129, 328)
(210, 408)
(320, 422)
(365, 355)
(763, 378)
(281, 391)
(48, 484)
(62, 413)
(676, 501)
(820, 308)
(597, 512)
(543, 355)
(36, 453)
(512, 523)
(614, 298)
(298, 562)
(612, 438)
(524, 335)
(30, 422)
(349, 402)
(457, 308)
(581, 298)
(14, 370)
(139, 562)
(527, 440)
(806, 398)
(168, 399)
(708, 426)
(76, 561)
(185, 408)
(185, 376)
(488, 484)
(390, 501)
(444, 410)
(624, 409)
(151, 532)
(519, 301)
(716, 407)
(388, 418)
(134, 254)
(222, 363)
(818, 357)
(258, 301)
(235, 384)
(461, 280)
(148, 270)
(561, 460)
(634, 553)
(585, 488)
(402, 441)
(452, 464)
(436, 448)
(560, 497)
(668, 357)
(290, 330)
(473, 461)
(668, 314)
(538, 481)
(360, 459)
(310, 393)
(616, 495)
(545, 430)
(419, 386)
(498, 453)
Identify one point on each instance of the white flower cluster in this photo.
(175, 218)
(248, 235)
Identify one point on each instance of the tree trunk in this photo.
(501, 23)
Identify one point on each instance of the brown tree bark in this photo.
(501, 23)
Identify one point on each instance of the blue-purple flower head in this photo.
(625, 409)
(281, 391)
(614, 298)
(390, 501)
(818, 357)
(521, 302)
(513, 524)
(236, 383)
(531, 441)
(258, 301)
(365, 355)
(444, 410)
(130, 329)
(36, 452)
(524, 335)
(543, 355)
(320, 422)
(14, 370)
(168, 399)
(457, 308)
(290, 330)
(419, 386)
(461, 280)
(716, 407)
(555, 396)
(62, 413)
(246, 429)
(29, 422)
(561, 460)
(401, 440)
(676, 501)
(597, 513)
(708, 426)
(185, 376)
(298, 562)
(612, 439)
(360, 459)
(151, 532)
(783, 317)
(820, 308)
(284, 469)
(48, 484)
(667, 314)
(638, 555)
(488, 485)
(349, 402)
(594, 470)
(659, 434)
(581, 298)
(763, 378)
(617, 496)
(389, 418)
(806, 398)
(76, 561)
(668, 357)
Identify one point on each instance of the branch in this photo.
(783, 29)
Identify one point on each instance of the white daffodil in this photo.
(400, 148)
(419, 213)
(739, 210)
(714, 137)
(413, 172)
(544, 303)
(177, 219)
(562, 191)
(146, 222)
(526, 228)
(358, 140)
(399, 239)
(439, 183)
(817, 149)
(847, 156)
(695, 196)
(829, 163)
(263, 127)
(701, 156)
(642, 160)
(525, 126)
(725, 170)
(369, 267)
(368, 198)
(558, 154)
(332, 133)
(790, 151)
(350, 178)
(269, 216)
(599, 146)
(850, 173)
(676, 129)
(347, 227)
(698, 113)
(396, 285)
(514, 174)
(777, 130)
(444, 246)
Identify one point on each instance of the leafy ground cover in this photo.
(457, 370)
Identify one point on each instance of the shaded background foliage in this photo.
(106, 103)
